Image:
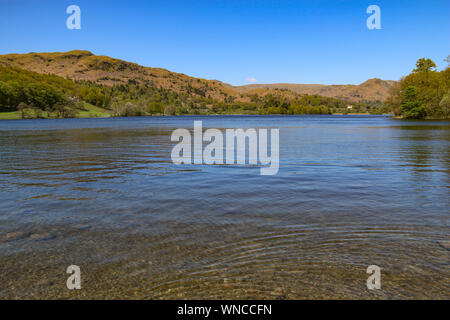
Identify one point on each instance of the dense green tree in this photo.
(424, 65)
(155, 108)
(445, 105)
(412, 106)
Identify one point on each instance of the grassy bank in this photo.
(88, 111)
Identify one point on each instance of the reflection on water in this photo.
(103, 194)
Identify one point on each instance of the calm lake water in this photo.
(103, 194)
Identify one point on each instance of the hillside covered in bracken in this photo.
(66, 84)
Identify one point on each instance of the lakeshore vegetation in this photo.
(424, 93)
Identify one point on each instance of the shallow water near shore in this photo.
(103, 194)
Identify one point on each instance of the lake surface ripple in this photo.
(103, 194)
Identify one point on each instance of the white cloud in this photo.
(251, 80)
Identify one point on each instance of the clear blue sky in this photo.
(233, 40)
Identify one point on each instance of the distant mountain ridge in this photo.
(370, 90)
(84, 65)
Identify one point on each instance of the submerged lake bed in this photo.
(104, 194)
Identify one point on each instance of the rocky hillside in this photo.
(84, 65)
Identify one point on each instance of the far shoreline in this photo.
(16, 116)
(8, 116)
